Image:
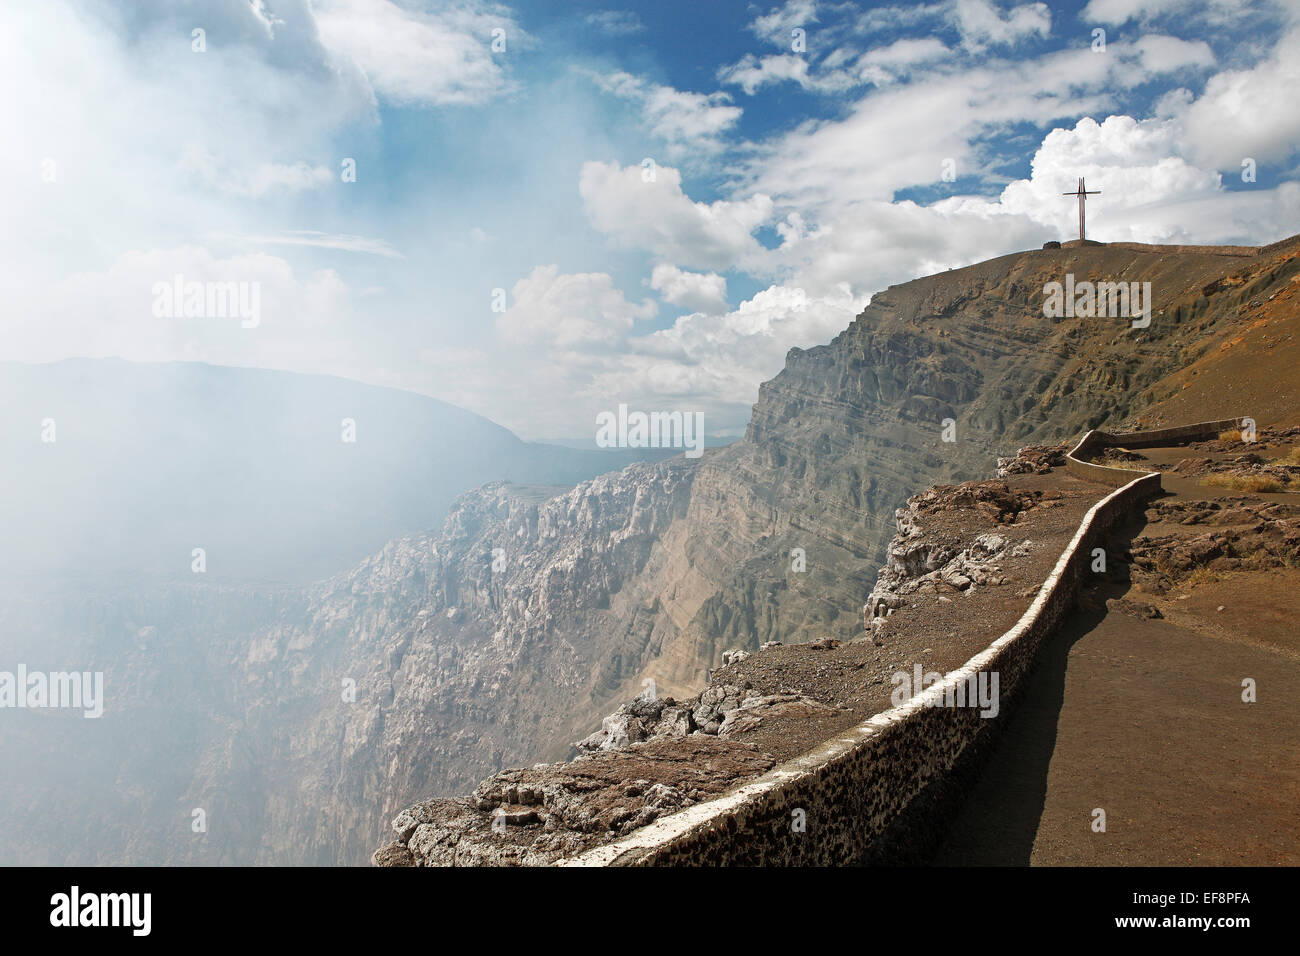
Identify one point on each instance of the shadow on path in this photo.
(997, 821)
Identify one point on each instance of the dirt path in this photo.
(1144, 718)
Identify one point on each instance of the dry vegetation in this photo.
(1250, 483)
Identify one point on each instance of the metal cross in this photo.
(1083, 195)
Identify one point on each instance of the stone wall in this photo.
(1095, 441)
(849, 793)
(1164, 249)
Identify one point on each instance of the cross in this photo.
(1083, 195)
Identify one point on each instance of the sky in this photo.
(542, 210)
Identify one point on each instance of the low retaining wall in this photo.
(1095, 441)
(1242, 251)
(851, 788)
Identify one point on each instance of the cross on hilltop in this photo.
(1083, 193)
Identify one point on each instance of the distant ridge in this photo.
(1181, 249)
(150, 460)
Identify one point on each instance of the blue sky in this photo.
(667, 195)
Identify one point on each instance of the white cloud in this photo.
(688, 123)
(303, 321)
(721, 359)
(697, 291)
(251, 182)
(658, 217)
(906, 52)
(1133, 163)
(908, 130)
(982, 23)
(899, 137)
(1121, 11)
(583, 311)
(436, 58)
(776, 27)
(322, 240)
(1246, 112)
(616, 23)
(1165, 54)
(751, 73)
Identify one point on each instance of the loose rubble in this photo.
(918, 560)
(1244, 534)
(1032, 460)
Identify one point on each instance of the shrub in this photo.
(1251, 483)
(1200, 577)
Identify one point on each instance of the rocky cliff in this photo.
(649, 574)
(535, 611)
(779, 536)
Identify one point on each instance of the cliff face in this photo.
(649, 574)
(779, 536)
(848, 430)
(535, 611)
(448, 656)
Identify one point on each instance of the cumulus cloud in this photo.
(1245, 113)
(645, 208)
(721, 359)
(582, 311)
(1133, 163)
(699, 292)
(1149, 193)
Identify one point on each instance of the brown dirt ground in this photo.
(940, 631)
(1144, 718)
(1226, 380)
